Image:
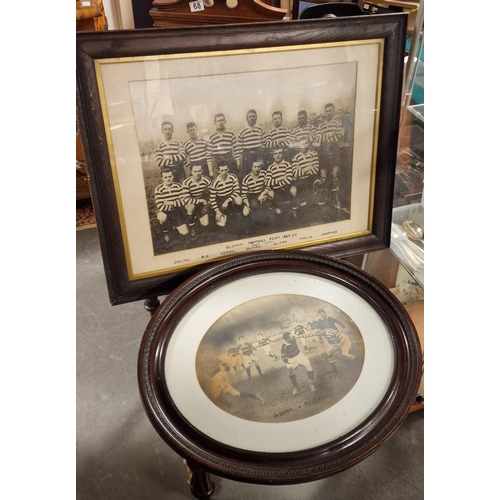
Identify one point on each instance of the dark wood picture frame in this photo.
(93, 47)
(206, 455)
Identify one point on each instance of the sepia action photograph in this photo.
(280, 358)
(266, 354)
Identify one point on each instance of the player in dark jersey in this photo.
(336, 340)
(327, 321)
(293, 357)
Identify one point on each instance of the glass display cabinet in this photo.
(407, 235)
(407, 231)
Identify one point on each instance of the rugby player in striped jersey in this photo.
(225, 195)
(305, 167)
(279, 136)
(330, 133)
(279, 177)
(303, 130)
(251, 143)
(250, 359)
(265, 343)
(196, 150)
(253, 190)
(170, 154)
(196, 194)
(223, 148)
(169, 205)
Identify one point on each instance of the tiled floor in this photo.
(119, 454)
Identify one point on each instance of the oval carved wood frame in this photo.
(309, 464)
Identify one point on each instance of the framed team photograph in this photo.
(279, 367)
(209, 142)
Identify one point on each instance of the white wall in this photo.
(119, 14)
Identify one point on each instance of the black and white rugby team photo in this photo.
(236, 166)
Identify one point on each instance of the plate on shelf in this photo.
(408, 252)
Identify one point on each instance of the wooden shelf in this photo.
(90, 16)
(174, 13)
(416, 312)
(82, 185)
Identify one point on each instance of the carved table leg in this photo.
(151, 305)
(200, 481)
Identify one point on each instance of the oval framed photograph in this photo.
(279, 367)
